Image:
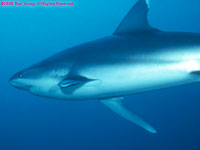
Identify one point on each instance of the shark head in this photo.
(40, 79)
(20, 81)
(32, 77)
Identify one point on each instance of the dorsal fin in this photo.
(136, 20)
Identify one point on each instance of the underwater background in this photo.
(30, 34)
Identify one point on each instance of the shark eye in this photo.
(20, 75)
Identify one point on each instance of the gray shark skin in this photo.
(136, 58)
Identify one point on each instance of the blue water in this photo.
(28, 35)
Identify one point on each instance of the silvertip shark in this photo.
(136, 58)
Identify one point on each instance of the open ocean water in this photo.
(30, 34)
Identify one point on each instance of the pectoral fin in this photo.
(67, 83)
(78, 80)
(116, 105)
(74, 80)
(195, 72)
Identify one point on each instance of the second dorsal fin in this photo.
(136, 20)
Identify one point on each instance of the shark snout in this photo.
(17, 81)
(14, 77)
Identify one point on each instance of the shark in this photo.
(136, 58)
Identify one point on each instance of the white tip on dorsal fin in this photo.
(136, 20)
